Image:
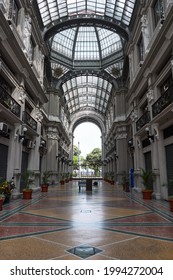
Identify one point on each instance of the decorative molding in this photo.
(38, 115)
(150, 95)
(156, 130)
(122, 135)
(22, 95)
(134, 116)
(52, 136)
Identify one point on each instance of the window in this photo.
(4, 85)
(168, 82)
(158, 11)
(141, 49)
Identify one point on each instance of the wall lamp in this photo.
(22, 136)
(42, 143)
(149, 135)
(130, 144)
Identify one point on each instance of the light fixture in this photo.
(130, 144)
(22, 136)
(150, 136)
(42, 143)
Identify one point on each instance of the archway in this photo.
(87, 148)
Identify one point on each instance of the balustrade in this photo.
(9, 102)
(144, 119)
(163, 101)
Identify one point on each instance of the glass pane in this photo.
(53, 10)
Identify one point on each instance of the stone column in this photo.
(51, 157)
(155, 162)
(121, 147)
(160, 184)
(14, 159)
(16, 145)
(34, 159)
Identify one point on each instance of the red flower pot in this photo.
(44, 187)
(147, 194)
(27, 194)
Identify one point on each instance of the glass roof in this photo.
(87, 92)
(55, 10)
(86, 43)
(81, 50)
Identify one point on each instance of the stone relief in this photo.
(27, 36)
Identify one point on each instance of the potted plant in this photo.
(147, 180)
(45, 177)
(6, 188)
(62, 179)
(2, 196)
(28, 180)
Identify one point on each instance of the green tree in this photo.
(76, 154)
(76, 151)
(94, 160)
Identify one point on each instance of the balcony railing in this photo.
(10, 103)
(144, 119)
(27, 119)
(163, 101)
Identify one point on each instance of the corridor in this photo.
(105, 224)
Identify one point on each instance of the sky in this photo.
(89, 137)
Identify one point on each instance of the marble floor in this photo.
(105, 224)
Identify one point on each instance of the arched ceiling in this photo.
(53, 11)
(86, 40)
(84, 92)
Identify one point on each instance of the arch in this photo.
(87, 116)
(76, 73)
(85, 21)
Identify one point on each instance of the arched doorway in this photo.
(87, 150)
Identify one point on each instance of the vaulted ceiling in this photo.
(86, 41)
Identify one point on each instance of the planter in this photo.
(27, 194)
(171, 204)
(147, 194)
(44, 187)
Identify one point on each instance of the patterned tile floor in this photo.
(105, 224)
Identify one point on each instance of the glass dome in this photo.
(85, 43)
